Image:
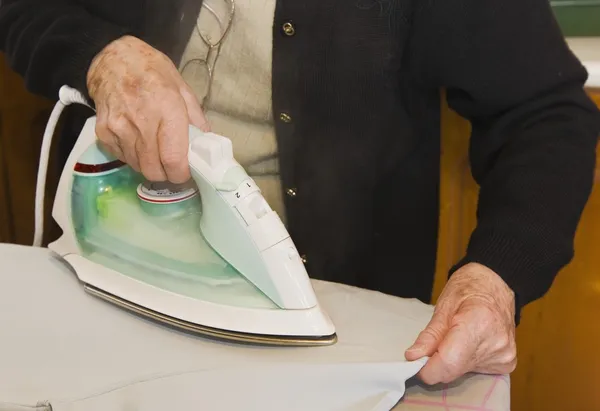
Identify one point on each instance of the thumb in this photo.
(430, 338)
(195, 113)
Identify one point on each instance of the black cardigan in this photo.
(360, 80)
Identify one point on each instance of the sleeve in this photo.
(507, 69)
(52, 43)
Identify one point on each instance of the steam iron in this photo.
(209, 256)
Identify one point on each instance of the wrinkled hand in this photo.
(472, 328)
(143, 109)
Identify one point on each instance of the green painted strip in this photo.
(578, 18)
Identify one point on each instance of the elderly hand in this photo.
(144, 108)
(472, 328)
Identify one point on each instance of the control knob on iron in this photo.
(167, 199)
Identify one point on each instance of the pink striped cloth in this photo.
(473, 392)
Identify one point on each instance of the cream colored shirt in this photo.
(239, 103)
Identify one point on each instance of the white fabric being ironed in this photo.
(65, 348)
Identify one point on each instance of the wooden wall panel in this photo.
(23, 117)
(6, 230)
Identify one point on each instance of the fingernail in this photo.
(416, 347)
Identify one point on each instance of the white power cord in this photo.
(67, 96)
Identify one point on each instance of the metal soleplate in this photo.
(227, 335)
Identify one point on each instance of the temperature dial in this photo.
(166, 199)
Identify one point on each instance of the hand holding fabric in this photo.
(144, 108)
(472, 328)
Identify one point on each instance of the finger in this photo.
(498, 368)
(128, 147)
(125, 135)
(454, 358)
(146, 147)
(173, 142)
(146, 123)
(195, 113)
(503, 361)
(429, 339)
(140, 125)
(107, 139)
(149, 159)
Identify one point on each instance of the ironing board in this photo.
(64, 350)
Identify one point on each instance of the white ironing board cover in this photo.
(65, 348)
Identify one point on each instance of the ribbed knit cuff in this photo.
(527, 267)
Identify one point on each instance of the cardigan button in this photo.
(303, 258)
(291, 192)
(285, 117)
(288, 28)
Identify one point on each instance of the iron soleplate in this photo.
(226, 335)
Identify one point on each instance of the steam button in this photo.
(213, 149)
